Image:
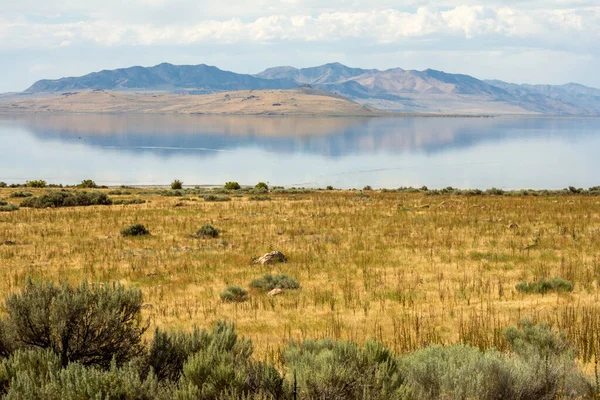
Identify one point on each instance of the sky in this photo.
(520, 41)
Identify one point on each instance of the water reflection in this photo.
(152, 149)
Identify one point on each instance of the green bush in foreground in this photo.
(269, 282)
(61, 198)
(135, 230)
(234, 294)
(64, 342)
(207, 231)
(545, 285)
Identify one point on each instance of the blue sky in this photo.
(522, 41)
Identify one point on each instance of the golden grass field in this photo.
(405, 269)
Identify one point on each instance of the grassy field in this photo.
(406, 269)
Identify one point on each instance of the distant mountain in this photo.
(163, 77)
(394, 89)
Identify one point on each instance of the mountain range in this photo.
(428, 91)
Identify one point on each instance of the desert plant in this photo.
(259, 198)
(89, 324)
(176, 185)
(367, 188)
(36, 183)
(207, 231)
(234, 294)
(269, 282)
(216, 197)
(126, 202)
(62, 198)
(261, 186)
(8, 208)
(545, 285)
(135, 230)
(329, 187)
(3, 184)
(87, 184)
(328, 369)
(232, 186)
(21, 194)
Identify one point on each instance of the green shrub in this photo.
(135, 230)
(61, 198)
(329, 187)
(223, 369)
(8, 207)
(3, 202)
(38, 375)
(216, 197)
(269, 282)
(21, 194)
(207, 231)
(119, 192)
(126, 202)
(234, 294)
(232, 186)
(259, 198)
(37, 183)
(89, 324)
(3, 184)
(176, 185)
(545, 285)
(328, 369)
(367, 188)
(87, 184)
(261, 187)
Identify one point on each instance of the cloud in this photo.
(545, 27)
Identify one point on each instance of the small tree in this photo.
(232, 186)
(176, 185)
(88, 184)
(38, 183)
(261, 185)
(89, 324)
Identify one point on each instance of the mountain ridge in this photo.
(393, 89)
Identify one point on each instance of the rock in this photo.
(513, 226)
(275, 292)
(271, 258)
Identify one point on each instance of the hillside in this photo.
(396, 89)
(300, 101)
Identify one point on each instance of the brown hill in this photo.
(300, 101)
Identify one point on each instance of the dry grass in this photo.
(405, 269)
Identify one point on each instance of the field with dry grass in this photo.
(406, 269)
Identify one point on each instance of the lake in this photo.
(503, 152)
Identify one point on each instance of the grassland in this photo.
(405, 269)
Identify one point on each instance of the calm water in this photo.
(312, 152)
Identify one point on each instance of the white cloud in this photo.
(379, 27)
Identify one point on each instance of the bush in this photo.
(234, 294)
(38, 375)
(223, 369)
(329, 187)
(87, 184)
(259, 198)
(207, 231)
(129, 201)
(216, 197)
(38, 183)
(367, 188)
(176, 185)
(89, 324)
(232, 186)
(118, 192)
(21, 194)
(8, 207)
(61, 198)
(261, 186)
(269, 282)
(135, 230)
(3, 184)
(544, 286)
(328, 369)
